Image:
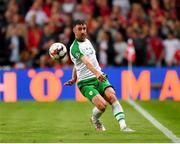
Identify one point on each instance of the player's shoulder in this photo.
(87, 40)
(74, 44)
(75, 49)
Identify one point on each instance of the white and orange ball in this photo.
(57, 51)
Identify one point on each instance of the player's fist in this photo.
(70, 82)
(102, 77)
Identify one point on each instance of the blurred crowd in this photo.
(29, 27)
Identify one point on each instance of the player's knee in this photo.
(110, 92)
(112, 98)
(103, 106)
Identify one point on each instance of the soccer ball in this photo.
(57, 51)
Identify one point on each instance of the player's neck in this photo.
(79, 40)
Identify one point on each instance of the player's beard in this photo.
(82, 38)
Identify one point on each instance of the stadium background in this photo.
(27, 74)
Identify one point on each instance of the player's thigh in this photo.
(89, 91)
(103, 85)
(110, 95)
(93, 95)
(99, 102)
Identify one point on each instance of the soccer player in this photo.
(92, 82)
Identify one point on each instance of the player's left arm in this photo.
(73, 79)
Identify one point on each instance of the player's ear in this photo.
(74, 29)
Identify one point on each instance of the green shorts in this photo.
(91, 87)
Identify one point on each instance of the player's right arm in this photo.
(73, 79)
(91, 67)
(78, 55)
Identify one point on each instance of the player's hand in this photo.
(70, 82)
(102, 77)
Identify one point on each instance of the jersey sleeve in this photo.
(76, 52)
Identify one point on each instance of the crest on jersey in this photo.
(91, 93)
(77, 55)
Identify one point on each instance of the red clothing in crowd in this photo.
(177, 56)
(47, 10)
(155, 46)
(156, 14)
(34, 36)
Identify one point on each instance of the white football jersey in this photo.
(79, 49)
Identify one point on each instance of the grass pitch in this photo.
(68, 121)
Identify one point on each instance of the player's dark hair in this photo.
(79, 22)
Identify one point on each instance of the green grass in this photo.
(68, 121)
(167, 112)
